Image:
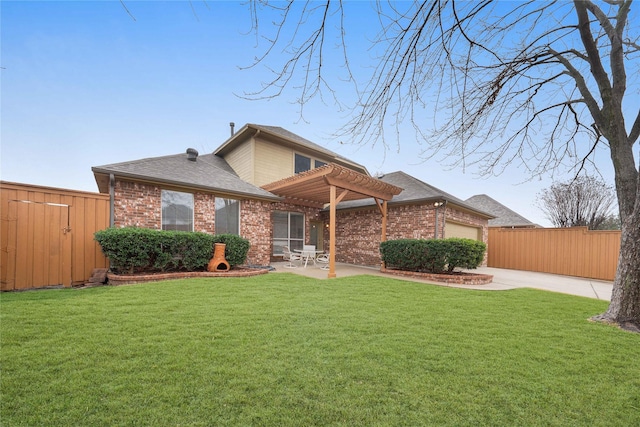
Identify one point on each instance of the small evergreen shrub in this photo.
(128, 249)
(432, 256)
(236, 250)
(464, 253)
(133, 250)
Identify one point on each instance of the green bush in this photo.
(433, 256)
(464, 253)
(132, 250)
(236, 250)
(128, 249)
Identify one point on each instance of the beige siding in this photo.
(272, 162)
(242, 161)
(451, 229)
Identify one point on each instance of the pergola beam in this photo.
(320, 186)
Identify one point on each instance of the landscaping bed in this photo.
(457, 278)
(128, 279)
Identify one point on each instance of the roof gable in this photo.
(286, 138)
(504, 217)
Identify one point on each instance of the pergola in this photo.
(330, 185)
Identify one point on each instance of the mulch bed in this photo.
(124, 279)
(456, 278)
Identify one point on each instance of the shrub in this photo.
(464, 253)
(236, 250)
(433, 256)
(404, 254)
(128, 249)
(133, 249)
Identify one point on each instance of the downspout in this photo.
(437, 206)
(112, 196)
(435, 227)
(444, 217)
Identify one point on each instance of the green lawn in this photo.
(285, 350)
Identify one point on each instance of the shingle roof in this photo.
(209, 172)
(415, 190)
(504, 217)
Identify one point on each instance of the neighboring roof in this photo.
(416, 191)
(313, 186)
(504, 217)
(284, 136)
(209, 172)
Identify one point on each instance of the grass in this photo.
(286, 350)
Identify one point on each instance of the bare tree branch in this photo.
(127, 10)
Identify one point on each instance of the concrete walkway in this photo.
(503, 279)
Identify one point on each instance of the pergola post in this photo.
(383, 237)
(383, 233)
(332, 232)
(310, 188)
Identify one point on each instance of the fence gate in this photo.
(38, 245)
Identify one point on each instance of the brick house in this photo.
(278, 189)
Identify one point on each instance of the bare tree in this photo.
(584, 201)
(539, 83)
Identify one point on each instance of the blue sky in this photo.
(83, 84)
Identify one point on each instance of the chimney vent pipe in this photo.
(232, 126)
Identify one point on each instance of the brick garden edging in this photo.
(123, 279)
(457, 279)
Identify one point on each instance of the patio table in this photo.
(308, 255)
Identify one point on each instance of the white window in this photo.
(227, 216)
(177, 211)
(288, 230)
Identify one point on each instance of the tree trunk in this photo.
(624, 308)
(625, 298)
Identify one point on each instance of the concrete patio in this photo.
(503, 279)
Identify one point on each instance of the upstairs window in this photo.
(227, 216)
(318, 163)
(177, 211)
(302, 163)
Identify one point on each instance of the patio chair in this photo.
(323, 260)
(287, 255)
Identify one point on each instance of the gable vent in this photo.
(192, 154)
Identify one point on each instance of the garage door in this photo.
(452, 229)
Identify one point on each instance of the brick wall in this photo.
(204, 213)
(137, 205)
(256, 226)
(140, 205)
(358, 232)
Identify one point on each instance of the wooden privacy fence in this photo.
(46, 235)
(568, 251)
